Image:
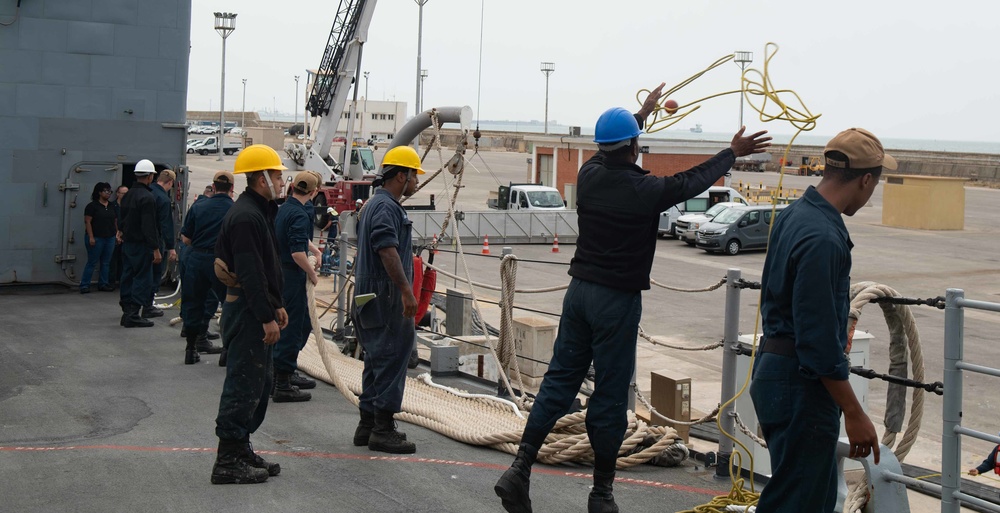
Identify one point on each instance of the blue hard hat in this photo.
(616, 124)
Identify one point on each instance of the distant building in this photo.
(556, 159)
(378, 119)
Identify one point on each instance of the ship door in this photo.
(76, 188)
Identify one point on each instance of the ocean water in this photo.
(805, 139)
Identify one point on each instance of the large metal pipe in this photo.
(422, 121)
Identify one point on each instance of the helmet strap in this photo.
(270, 184)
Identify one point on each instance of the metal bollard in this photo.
(730, 341)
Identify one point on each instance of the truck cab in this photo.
(526, 196)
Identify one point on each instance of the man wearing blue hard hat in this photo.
(618, 207)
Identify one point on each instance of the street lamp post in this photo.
(243, 110)
(547, 68)
(296, 118)
(423, 75)
(225, 24)
(420, 36)
(742, 59)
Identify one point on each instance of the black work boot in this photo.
(284, 392)
(223, 356)
(211, 335)
(203, 345)
(303, 382)
(385, 437)
(151, 311)
(190, 352)
(601, 500)
(134, 320)
(256, 461)
(231, 466)
(513, 485)
(364, 430)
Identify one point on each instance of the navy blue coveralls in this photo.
(386, 336)
(293, 227)
(618, 207)
(246, 244)
(805, 299)
(165, 218)
(198, 282)
(140, 235)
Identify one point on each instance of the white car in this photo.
(687, 224)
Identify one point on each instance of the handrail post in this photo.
(951, 411)
(730, 342)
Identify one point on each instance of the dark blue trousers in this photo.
(598, 324)
(293, 337)
(137, 274)
(199, 286)
(157, 275)
(387, 338)
(801, 424)
(99, 256)
(248, 373)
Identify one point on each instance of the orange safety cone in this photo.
(555, 244)
(434, 244)
(486, 244)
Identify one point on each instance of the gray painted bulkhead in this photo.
(87, 88)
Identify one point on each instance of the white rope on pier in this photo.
(676, 289)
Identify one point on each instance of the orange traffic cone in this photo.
(434, 244)
(486, 244)
(555, 244)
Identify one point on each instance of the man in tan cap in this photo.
(800, 386)
(199, 233)
(293, 228)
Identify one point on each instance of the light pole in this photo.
(742, 59)
(423, 75)
(225, 24)
(243, 115)
(420, 37)
(296, 119)
(547, 68)
(364, 109)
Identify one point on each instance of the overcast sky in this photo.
(915, 69)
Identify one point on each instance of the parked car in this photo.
(737, 229)
(696, 205)
(192, 147)
(687, 224)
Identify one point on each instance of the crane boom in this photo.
(332, 83)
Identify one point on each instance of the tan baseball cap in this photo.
(862, 149)
(224, 177)
(307, 181)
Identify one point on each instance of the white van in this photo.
(697, 205)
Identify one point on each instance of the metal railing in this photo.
(951, 440)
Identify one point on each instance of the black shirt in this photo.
(618, 209)
(139, 222)
(102, 219)
(247, 245)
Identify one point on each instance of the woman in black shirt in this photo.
(101, 225)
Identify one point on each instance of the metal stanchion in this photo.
(730, 344)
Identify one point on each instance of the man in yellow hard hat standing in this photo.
(253, 315)
(384, 275)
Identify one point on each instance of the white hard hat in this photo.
(144, 167)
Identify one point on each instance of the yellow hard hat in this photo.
(403, 156)
(257, 157)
